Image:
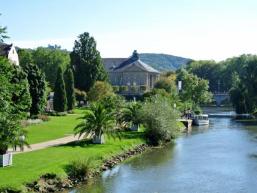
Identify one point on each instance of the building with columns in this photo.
(131, 75)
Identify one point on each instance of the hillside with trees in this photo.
(164, 62)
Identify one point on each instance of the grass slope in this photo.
(57, 127)
(30, 166)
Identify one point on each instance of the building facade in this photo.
(131, 75)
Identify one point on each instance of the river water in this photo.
(219, 158)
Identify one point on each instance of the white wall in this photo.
(13, 56)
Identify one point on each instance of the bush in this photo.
(80, 95)
(115, 89)
(143, 88)
(58, 114)
(133, 89)
(78, 169)
(99, 91)
(159, 118)
(123, 88)
(43, 117)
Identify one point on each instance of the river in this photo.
(219, 158)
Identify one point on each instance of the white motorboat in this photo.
(201, 119)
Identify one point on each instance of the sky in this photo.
(196, 29)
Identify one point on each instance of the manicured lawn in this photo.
(28, 167)
(57, 127)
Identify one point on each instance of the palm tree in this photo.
(131, 115)
(97, 121)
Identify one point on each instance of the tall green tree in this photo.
(14, 103)
(60, 99)
(37, 88)
(87, 62)
(70, 91)
(243, 93)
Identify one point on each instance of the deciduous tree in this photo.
(87, 62)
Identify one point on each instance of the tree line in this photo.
(236, 76)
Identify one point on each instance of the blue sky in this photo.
(199, 29)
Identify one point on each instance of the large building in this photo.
(131, 75)
(9, 51)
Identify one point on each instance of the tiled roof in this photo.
(4, 49)
(112, 64)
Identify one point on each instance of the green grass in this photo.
(30, 166)
(57, 127)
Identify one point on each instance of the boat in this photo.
(202, 119)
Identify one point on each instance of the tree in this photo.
(130, 114)
(194, 89)
(14, 103)
(70, 92)
(211, 71)
(243, 93)
(60, 99)
(159, 118)
(99, 91)
(25, 57)
(49, 60)
(37, 88)
(21, 100)
(3, 33)
(87, 62)
(165, 84)
(96, 121)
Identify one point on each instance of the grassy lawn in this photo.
(30, 166)
(57, 127)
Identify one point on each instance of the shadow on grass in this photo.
(132, 135)
(78, 143)
(119, 137)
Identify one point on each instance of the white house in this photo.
(9, 51)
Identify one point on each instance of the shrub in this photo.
(99, 91)
(78, 169)
(80, 95)
(133, 89)
(159, 118)
(123, 88)
(58, 114)
(143, 88)
(44, 118)
(115, 89)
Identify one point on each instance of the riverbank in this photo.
(31, 168)
(53, 183)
